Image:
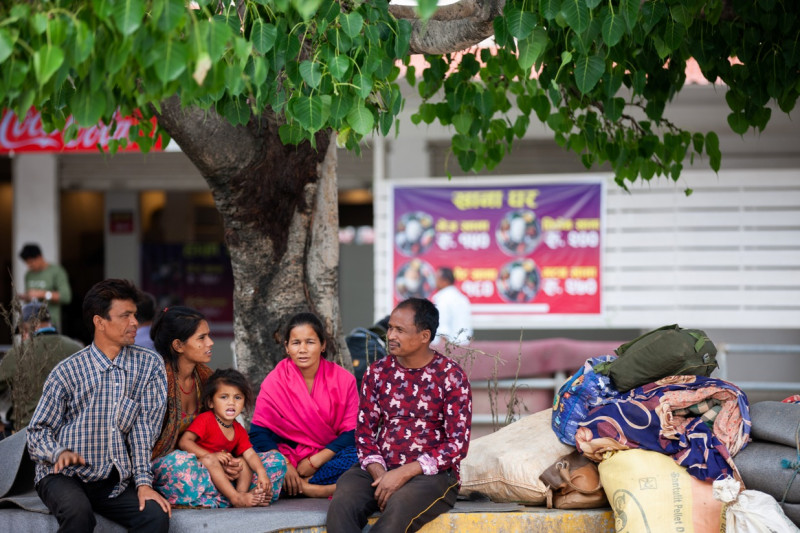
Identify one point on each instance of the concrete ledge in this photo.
(529, 520)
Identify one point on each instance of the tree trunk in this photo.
(279, 209)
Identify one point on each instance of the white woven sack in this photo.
(505, 466)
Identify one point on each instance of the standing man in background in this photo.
(455, 313)
(145, 312)
(45, 282)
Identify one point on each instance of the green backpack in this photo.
(666, 351)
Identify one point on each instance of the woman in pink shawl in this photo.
(307, 410)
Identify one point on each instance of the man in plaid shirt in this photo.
(94, 427)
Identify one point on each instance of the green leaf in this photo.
(341, 105)
(613, 28)
(352, 23)
(170, 60)
(630, 12)
(102, 8)
(173, 13)
(558, 122)
(291, 133)
(236, 111)
(363, 84)
(463, 122)
(46, 61)
(263, 36)
(674, 34)
(426, 8)
(258, 69)
(541, 104)
(648, 169)
(6, 44)
(531, 49)
(736, 100)
(217, 36)
(116, 56)
(311, 73)
(38, 23)
(309, 112)
(466, 160)
(712, 149)
(549, 9)
(501, 32)
(681, 15)
(521, 126)
(339, 66)
(80, 43)
(697, 142)
(403, 38)
(234, 83)
(57, 30)
(639, 81)
(613, 108)
(128, 15)
(738, 122)
(576, 14)
(361, 119)
(87, 107)
(520, 23)
(588, 71)
(652, 13)
(306, 8)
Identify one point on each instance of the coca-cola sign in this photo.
(29, 135)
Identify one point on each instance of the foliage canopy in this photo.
(598, 73)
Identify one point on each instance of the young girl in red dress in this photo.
(215, 437)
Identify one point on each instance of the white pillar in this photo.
(37, 209)
(122, 230)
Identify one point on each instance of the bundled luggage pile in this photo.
(660, 436)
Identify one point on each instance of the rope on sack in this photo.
(794, 465)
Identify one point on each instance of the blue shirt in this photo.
(108, 411)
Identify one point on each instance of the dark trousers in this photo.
(73, 502)
(415, 504)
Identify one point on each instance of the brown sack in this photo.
(573, 482)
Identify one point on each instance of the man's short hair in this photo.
(98, 300)
(446, 273)
(426, 316)
(30, 251)
(35, 311)
(146, 307)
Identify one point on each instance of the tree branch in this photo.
(453, 27)
(208, 139)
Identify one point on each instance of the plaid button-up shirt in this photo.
(108, 411)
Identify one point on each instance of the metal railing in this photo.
(723, 350)
(552, 384)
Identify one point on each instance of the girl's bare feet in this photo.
(253, 498)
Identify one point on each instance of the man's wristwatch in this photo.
(48, 295)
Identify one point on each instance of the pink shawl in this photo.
(311, 420)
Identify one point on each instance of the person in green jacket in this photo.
(25, 367)
(45, 282)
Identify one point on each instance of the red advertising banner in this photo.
(526, 249)
(28, 135)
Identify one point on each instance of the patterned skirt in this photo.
(185, 482)
(338, 465)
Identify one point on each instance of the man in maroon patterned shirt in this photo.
(413, 430)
